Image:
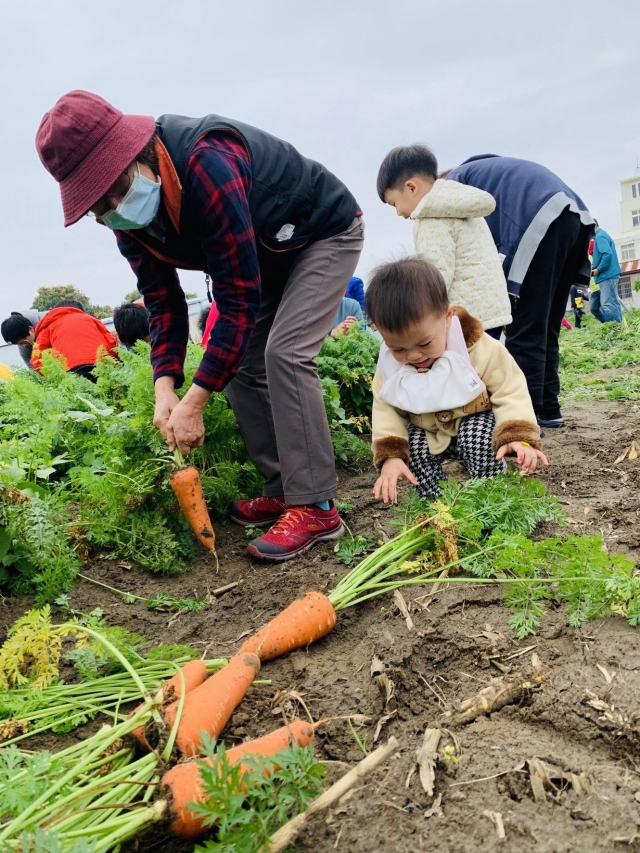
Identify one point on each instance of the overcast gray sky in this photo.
(344, 80)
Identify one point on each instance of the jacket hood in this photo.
(54, 314)
(452, 200)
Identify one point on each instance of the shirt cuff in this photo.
(177, 374)
(210, 383)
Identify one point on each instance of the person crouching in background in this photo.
(74, 337)
(19, 329)
(131, 322)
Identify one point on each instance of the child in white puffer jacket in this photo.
(449, 231)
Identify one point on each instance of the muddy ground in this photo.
(459, 643)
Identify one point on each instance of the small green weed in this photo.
(350, 548)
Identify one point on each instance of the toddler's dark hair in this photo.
(403, 163)
(15, 328)
(403, 293)
(131, 322)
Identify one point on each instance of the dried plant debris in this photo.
(401, 604)
(427, 756)
(288, 704)
(611, 717)
(499, 692)
(386, 687)
(550, 780)
(377, 666)
(497, 821)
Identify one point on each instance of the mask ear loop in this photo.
(207, 281)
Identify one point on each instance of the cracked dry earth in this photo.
(578, 732)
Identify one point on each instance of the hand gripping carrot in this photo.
(304, 621)
(194, 672)
(209, 707)
(186, 483)
(182, 784)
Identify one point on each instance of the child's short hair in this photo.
(202, 319)
(131, 322)
(15, 328)
(403, 163)
(403, 293)
(70, 303)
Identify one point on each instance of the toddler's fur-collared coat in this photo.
(506, 396)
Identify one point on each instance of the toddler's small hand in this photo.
(386, 486)
(526, 456)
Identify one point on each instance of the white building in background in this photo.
(628, 241)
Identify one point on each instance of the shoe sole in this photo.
(267, 522)
(280, 558)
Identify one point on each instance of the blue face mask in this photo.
(139, 206)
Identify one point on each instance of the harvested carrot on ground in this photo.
(194, 673)
(209, 707)
(187, 486)
(303, 622)
(182, 784)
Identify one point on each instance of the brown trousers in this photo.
(276, 395)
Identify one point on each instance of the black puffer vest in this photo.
(293, 201)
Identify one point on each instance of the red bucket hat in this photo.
(86, 144)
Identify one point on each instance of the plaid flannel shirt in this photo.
(216, 193)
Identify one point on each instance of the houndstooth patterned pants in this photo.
(472, 446)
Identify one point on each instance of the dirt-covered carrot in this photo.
(182, 784)
(194, 673)
(304, 621)
(209, 707)
(185, 482)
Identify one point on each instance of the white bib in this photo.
(450, 382)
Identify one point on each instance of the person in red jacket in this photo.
(78, 339)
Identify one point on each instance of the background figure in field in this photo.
(355, 290)
(579, 298)
(349, 313)
(605, 302)
(131, 322)
(20, 329)
(73, 335)
(542, 229)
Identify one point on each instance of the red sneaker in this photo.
(260, 512)
(298, 529)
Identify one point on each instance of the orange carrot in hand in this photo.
(304, 621)
(194, 672)
(187, 486)
(209, 707)
(182, 784)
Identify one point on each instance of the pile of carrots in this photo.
(209, 703)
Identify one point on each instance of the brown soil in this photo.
(460, 641)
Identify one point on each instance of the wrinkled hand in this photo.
(386, 486)
(166, 402)
(527, 457)
(185, 428)
(343, 327)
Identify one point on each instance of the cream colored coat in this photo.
(506, 396)
(449, 230)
